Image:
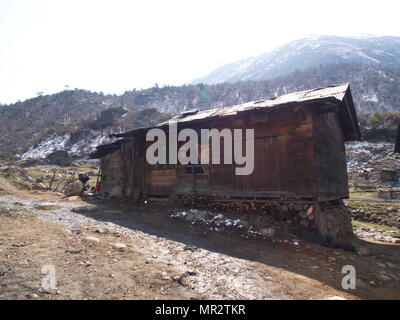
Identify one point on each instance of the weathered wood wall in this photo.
(128, 167)
(283, 164)
(283, 154)
(112, 174)
(330, 157)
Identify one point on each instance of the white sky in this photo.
(117, 45)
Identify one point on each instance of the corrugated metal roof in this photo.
(104, 149)
(335, 92)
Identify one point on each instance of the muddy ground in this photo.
(109, 250)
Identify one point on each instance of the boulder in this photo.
(107, 117)
(202, 215)
(267, 232)
(334, 222)
(120, 246)
(363, 251)
(91, 239)
(74, 189)
(190, 217)
(59, 158)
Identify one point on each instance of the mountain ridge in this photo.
(309, 52)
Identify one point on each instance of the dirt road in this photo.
(106, 250)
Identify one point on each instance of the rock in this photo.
(19, 204)
(74, 189)
(91, 239)
(378, 237)
(363, 251)
(120, 246)
(32, 296)
(99, 230)
(334, 222)
(202, 215)
(60, 158)
(267, 232)
(165, 276)
(107, 117)
(190, 217)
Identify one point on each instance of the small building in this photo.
(299, 142)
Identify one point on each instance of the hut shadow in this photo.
(156, 221)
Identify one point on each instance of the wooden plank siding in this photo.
(112, 174)
(283, 163)
(128, 165)
(330, 157)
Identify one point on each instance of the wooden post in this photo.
(52, 180)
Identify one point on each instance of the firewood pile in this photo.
(290, 211)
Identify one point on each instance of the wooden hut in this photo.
(299, 141)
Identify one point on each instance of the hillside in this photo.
(70, 119)
(310, 52)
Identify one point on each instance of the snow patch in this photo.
(47, 146)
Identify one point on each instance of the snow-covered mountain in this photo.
(310, 52)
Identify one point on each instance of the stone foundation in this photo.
(331, 220)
